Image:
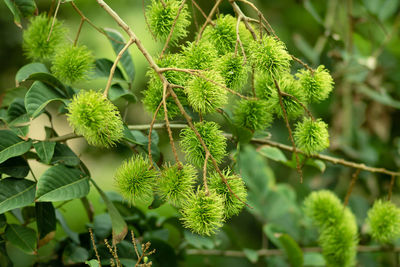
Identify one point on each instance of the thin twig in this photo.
(114, 66)
(351, 186)
(209, 18)
(173, 27)
(113, 252)
(147, 22)
(239, 12)
(63, 138)
(392, 179)
(79, 31)
(151, 130)
(94, 246)
(54, 20)
(285, 116)
(239, 41)
(202, 12)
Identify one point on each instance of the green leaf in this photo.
(64, 155)
(71, 234)
(45, 150)
(272, 153)
(11, 145)
(314, 259)
(3, 220)
(45, 218)
(251, 255)
(319, 164)
(308, 5)
(292, 250)
(304, 47)
(103, 67)
(60, 183)
(16, 167)
(16, 112)
(198, 241)
(21, 237)
(49, 79)
(118, 43)
(130, 137)
(21, 8)
(16, 193)
(12, 93)
(157, 202)
(116, 92)
(382, 97)
(39, 96)
(74, 254)
(27, 70)
(102, 226)
(92, 263)
(388, 9)
(119, 226)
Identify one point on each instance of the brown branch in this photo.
(238, 41)
(354, 178)
(114, 66)
(147, 22)
(209, 18)
(285, 116)
(202, 12)
(79, 31)
(172, 28)
(54, 20)
(63, 138)
(151, 130)
(239, 12)
(392, 179)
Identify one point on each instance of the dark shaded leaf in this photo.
(21, 237)
(64, 155)
(16, 193)
(16, 167)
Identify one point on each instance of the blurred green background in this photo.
(357, 40)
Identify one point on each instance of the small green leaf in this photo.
(16, 167)
(116, 92)
(130, 137)
(39, 96)
(272, 153)
(21, 237)
(118, 43)
(11, 145)
(60, 183)
(119, 226)
(71, 234)
(314, 259)
(292, 250)
(49, 79)
(24, 72)
(103, 67)
(16, 193)
(102, 226)
(198, 241)
(64, 155)
(16, 112)
(93, 263)
(45, 150)
(319, 164)
(45, 218)
(157, 202)
(74, 254)
(21, 8)
(251, 255)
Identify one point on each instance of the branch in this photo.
(208, 20)
(63, 138)
(240, 13)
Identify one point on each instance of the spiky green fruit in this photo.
(234, 71)
(135, 179)
(72, 63)
(175, 184)
(35, 44)
(270, 56)
(154, 93)
(316, 85)
(339, 243)
(199, 56)
(289, 85)
(203, 214)
(212, 137)
(252, 114)
(311, 136)
(223, 35)
(205, 94)
(324, 208)
(161, 19)
(384, 221)
(232, 205)
(264, 86)
(92, 115)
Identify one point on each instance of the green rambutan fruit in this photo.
(339, 243)
(92, 115)
(252, 114)
(223, 35)
(72, 63)
(384, 221)
(213, 138)
(317, 85)
(35, 44)
(264, 86)
(234, 71)
(324, 208)
(206, 95)
(311, 136)
(135, 179)
(199, 56)
(270, 56)
(175, 184)
(162, 18)
(203, 214)
(288, 85)
(232, 205)
(154, 93)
